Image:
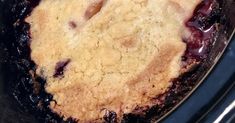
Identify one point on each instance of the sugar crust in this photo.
(122, 56)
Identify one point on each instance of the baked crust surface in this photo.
(119, 54)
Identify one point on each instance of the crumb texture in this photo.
(107, 55)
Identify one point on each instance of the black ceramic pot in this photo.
(210, 99)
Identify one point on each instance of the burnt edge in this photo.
(20, 80)
(28, 88)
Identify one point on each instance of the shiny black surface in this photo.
(212, 97)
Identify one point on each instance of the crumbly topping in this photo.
(122, 53)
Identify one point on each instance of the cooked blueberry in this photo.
(60, 67)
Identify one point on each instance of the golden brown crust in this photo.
(122, 54)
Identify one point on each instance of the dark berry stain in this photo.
(60, 68)
(72, 24)
(93, 9)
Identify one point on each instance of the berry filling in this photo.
(60, 67)
(203, 26)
